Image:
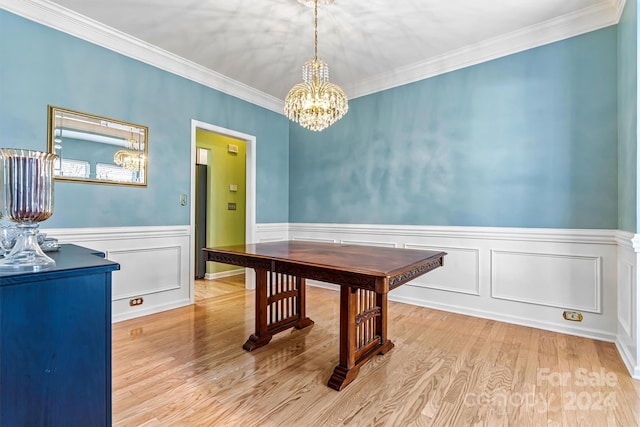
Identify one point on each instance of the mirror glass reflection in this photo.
(97, 149)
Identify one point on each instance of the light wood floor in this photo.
(186, 367)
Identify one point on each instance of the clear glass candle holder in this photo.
(26, 198)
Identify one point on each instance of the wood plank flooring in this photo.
(186, 367)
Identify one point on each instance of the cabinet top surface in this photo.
(70, 260)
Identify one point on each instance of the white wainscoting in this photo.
(554, 280)
(523, 276)
(273, 232)
(628, 301)
(154, 264)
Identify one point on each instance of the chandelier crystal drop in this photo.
(132, 158)
(129, 159)
(316, 103)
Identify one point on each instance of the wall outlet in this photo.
(135, 332)
(136, 301)
(574, 316)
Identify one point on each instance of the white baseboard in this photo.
(223, 274)
(158, 308)
(628, 359)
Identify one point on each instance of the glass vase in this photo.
(26, 198)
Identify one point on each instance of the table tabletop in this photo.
(371, 261)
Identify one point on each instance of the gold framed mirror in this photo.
(97, 149)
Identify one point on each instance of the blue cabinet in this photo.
(55, 342)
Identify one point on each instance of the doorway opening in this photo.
(233, 143)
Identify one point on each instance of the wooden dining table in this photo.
(365, 274)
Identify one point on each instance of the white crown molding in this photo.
(619, 7)
(52, 15)
(57, 17)
(583, 21)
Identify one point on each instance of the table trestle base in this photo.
(363, 332)
(280, 305)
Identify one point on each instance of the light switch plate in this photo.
(183, 200)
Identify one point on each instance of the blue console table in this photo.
(55, 342)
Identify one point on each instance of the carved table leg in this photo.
(346, 371)
(363, 332)
(261, 337)
(381, 324)
(280, 305)
(301, 304)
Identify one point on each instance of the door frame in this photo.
(250, 215)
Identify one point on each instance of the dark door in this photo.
(201, 220)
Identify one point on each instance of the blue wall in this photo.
(528, 140)
(41, 66)
(628, 118)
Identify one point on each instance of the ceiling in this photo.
(369, 45)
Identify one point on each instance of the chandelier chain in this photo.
(315, 25)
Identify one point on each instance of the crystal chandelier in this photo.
(315, 103)
(129, 159)
(132, 158)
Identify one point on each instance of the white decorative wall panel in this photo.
(625, 297)
(517, 275)
(312, 239)
(369, 243)
(460, 272)
(132, 281)
(562, 281)
(154, 264)
(628, 301)
(271, 232)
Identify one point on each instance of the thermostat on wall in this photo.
(232, 148)
(233, 187)
(202, 155)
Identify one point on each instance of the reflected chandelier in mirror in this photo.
(97, 149)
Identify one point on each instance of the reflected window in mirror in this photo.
(97, 149)
(71, 168)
